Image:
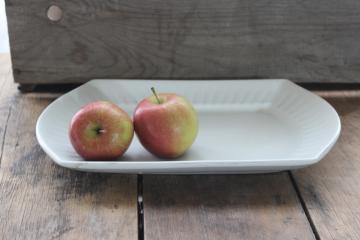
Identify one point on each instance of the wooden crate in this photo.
(305, 41)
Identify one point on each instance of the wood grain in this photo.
(40, 200)
(7, 91)
(307, 41)
(223, 207)
(330, 189)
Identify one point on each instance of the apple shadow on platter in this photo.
(145, 156)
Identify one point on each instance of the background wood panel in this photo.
(40, 200)
(223, 207)
(307, 41)
(330, 189)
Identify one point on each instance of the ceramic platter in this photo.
(246, 126)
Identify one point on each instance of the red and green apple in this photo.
(166, 124)
(101, 131)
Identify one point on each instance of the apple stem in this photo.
(100, 131)
(155, 94)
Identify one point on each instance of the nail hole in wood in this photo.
(54, 13)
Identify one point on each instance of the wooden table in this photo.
(40, 200)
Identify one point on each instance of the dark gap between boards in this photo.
(140, 207)
(303, 205)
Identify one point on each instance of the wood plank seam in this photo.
(140, 207)
(303, 205)
(4, 134)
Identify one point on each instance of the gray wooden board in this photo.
(40, 200)
(223, 207)
(307, 41)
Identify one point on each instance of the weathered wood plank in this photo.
(308, 41)
(223, 207)
(7, 92)
(330, 189)
(40, 200)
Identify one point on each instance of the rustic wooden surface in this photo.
(331, 188)
(223, 207)
(307, 41)
(38, 199)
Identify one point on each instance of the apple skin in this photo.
(101, 131)
(167, 129)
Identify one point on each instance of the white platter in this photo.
(246, 126)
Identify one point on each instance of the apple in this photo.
(166, 124)
(101, 131)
